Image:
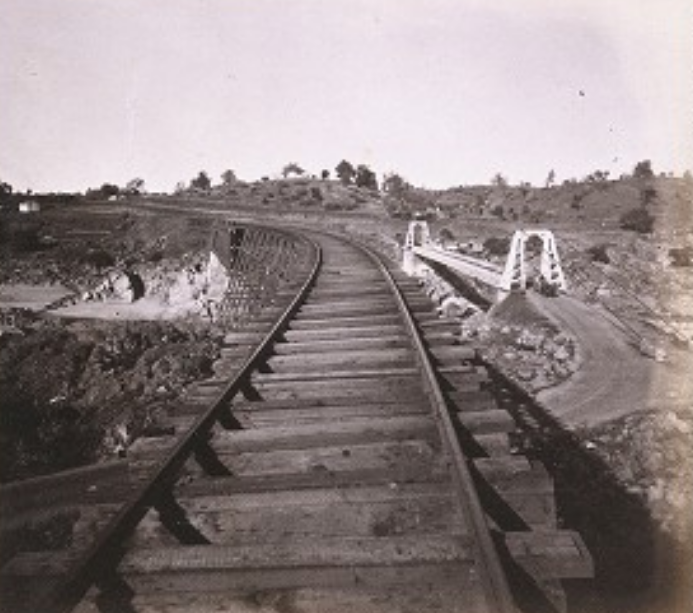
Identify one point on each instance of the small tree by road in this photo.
(446, 236)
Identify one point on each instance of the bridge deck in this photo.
(472, 267)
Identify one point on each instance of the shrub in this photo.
(643, 170)
(446, 235)
(638, 220)
(647, 195)
(498, 211)
(98, 258)
(681, 257)
(497, 246)
(599, 253)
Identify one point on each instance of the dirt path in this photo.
(26, 296)
(614, 378)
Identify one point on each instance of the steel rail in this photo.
(99, 564)
(497, 591)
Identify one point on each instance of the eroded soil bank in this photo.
(70, 386)
(85, 353)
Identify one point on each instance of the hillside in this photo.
(300, 194)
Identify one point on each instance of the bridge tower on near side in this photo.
(515, 273)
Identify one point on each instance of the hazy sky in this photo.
(445, 92)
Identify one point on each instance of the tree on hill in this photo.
(638, 220)
(292, 168)
(134, 187)
(345, 171)
(228, 177)
(201, 182)
(394, 185)
(365, 177)
(551, 178)
(445, 235)
(498, 180)
(106, 191)
(648, 195)
(325, 174)
(598, 176)
(5, 190)
(643, 170)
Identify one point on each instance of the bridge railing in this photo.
(257, 263)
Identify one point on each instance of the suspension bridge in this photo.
(420, 249)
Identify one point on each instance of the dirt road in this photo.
(614, 378)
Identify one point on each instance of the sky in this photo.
(443, 92)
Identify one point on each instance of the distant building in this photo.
(29, 206)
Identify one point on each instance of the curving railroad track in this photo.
(347, 456)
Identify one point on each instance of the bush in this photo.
(643, 170)
(498, 211)
(99, 259)
(681, 257)
(638, 220)
(497, 246)
(648, 195)
(446, 235)
(340, 206)
(599, 253)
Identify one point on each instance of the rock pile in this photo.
(450, 302)
(195, 284)
(523, 344)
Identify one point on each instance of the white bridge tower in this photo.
(419, 247)
(515, 273)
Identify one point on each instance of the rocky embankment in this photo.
(523, 344)
(72, 391)
(649, 453)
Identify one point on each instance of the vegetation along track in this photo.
(346, 457)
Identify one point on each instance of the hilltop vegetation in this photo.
(642, 201)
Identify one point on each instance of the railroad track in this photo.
(347, 456)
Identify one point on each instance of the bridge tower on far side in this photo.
(515, 272)
(418, 235)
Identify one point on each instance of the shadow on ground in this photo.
(639, 568)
